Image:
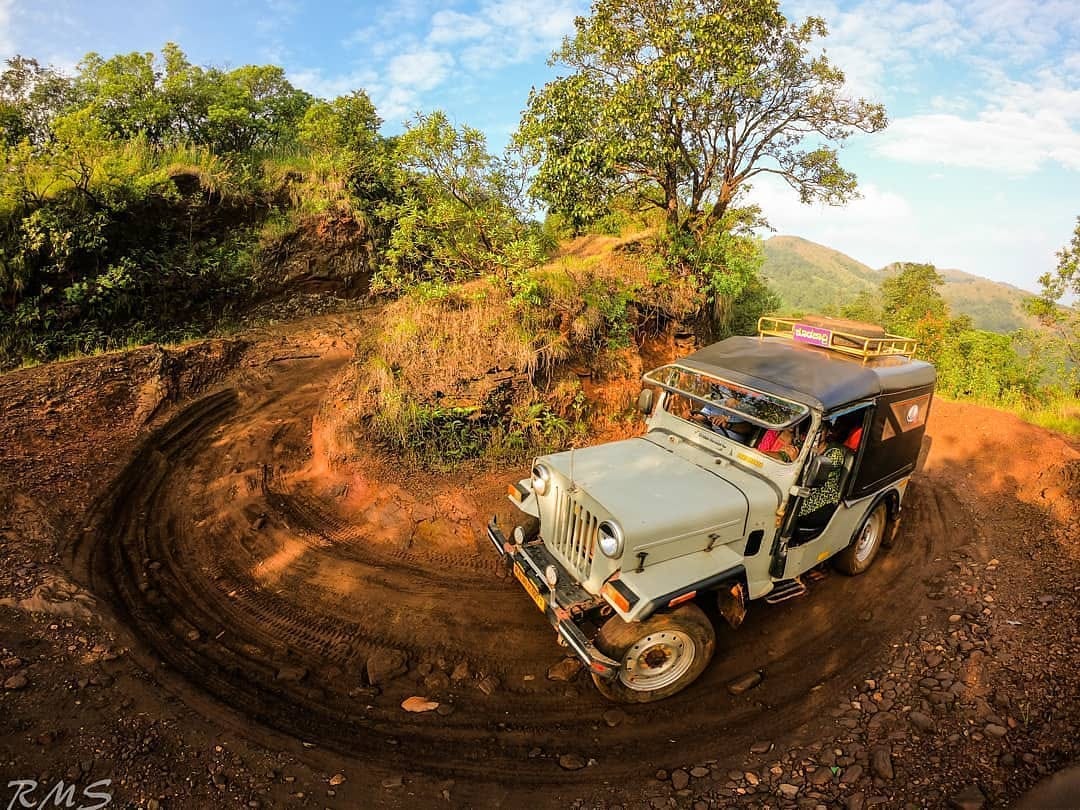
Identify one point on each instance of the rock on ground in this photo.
(385, 665)
(417, 704)
(571, 762)
(565, 670)
(745, 683)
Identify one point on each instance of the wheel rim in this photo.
(657, 660)
(870, 535)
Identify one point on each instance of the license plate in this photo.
(529, 587)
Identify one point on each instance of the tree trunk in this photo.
(671, 199)
(672, 212)
(723, 200)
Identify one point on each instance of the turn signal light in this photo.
(615, 597)
(678, 600)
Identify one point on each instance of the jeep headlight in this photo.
(541, 478)
(610, 539)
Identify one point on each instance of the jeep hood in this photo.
(658, 498)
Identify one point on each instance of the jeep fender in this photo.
(892, 498)
(670, 583)
(524, 498)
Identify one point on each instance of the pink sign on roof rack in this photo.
(814, 335)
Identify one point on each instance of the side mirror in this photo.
(817, 471)
(645, 401)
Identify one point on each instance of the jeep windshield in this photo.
(756, 407)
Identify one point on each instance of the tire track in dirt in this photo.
(274, 625)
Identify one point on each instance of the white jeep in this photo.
(763, 457)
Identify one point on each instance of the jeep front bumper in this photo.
(563, 605)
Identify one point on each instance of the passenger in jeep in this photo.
(723, 423)
(784, 445)
(779, 444)
(712, 417)
(819, 505)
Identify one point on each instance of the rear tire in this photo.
(659, 656)
(866, 543)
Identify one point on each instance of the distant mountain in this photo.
(813, 278)
(992, 305)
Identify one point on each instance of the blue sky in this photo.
(979, 168)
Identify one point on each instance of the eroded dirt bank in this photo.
(287, 605)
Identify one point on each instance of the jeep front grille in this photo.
(574, 535)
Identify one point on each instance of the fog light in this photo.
(519, 535)
(551, 576)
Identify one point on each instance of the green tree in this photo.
(31, 96)
(460, 209)
(124, 94)
(912, 306)
(252, 107)
(682, 103)
(346, 123)
(1056, 309)
(170, 100)
(864, 307)
(726, 261)
(343, 136)
(985, 366)
(971, 363)
(188, 91)
(82, 150)
(755, 299)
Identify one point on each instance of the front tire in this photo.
(659, 656)
(866, 543)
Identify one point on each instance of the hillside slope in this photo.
(992, 305)
(813, 278)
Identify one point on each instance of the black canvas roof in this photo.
(815, 377)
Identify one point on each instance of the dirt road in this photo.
(299, 603)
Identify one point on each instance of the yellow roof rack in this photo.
(824, 333)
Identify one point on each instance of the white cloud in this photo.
(394, 103)
(993, 236)
(452, 26)
(273, 27)
(406, 51)
(387, 21)
(1022, 128)
(880, 44)
(505, 32)
(421, 69)
(7, 40)
(998, 140)
(318, 84)
(874, 205)
(878, 41)
(947, 104)
(874, 229)
(1020, 29)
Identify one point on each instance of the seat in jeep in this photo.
(808, 530)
